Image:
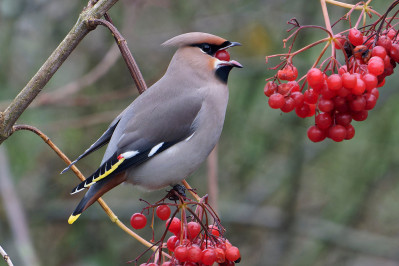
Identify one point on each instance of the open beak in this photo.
(232, 45)
(231, 63)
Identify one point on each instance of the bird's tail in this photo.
(96, 191)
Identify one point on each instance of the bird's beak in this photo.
(233, 44)
(232, 63)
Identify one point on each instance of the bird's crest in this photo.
(192, 38)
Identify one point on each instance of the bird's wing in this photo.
(147, 133)
(104, 139)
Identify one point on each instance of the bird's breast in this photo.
(179, 161)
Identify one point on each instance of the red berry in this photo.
(270, 88)
(391, 34)
(194, 254)
(334, 82)
(310, 96)
(343, 69)
(381, 83)
(325, 105)
(312, 109)
(283, 89)
(360, 116)
(341, 104)
(315, 134)
(181, 253)
(222, 55)
(375, 66)
(343, 92)
(233, 253)
(175, 225)
(294, 86)
(357, 104)
(371, 101)
(339, 41)
(163, 212)
(360, 87)
(394, 52)
(348, 80)
(355, 37)
(379, 51)
(302, 111)
(337, 133)
(343, 119)
(171, 243)
(327, 93)
(167, 263)
(138, 221)
(350, 131)
(375, 92)
(276, 101)
(323, 120)
(213, 230)
(370, 81)
(315, 78)
(289, 72)
(289, 105)
(220, 255)
(385, 42)
(298, 98)
(208, 256)
(193, 229)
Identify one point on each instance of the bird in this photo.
(169, 130)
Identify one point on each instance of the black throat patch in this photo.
(223, 72)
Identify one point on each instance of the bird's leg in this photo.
(176, 193)
(181, 190)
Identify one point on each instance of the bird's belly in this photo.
(169, 167)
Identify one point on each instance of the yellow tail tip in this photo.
(73, 218)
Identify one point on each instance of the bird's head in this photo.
(204, 52)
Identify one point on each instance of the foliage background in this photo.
(283, 199)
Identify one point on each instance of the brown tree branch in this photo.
(94, 10)
(126, 54)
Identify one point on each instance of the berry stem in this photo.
(321, 54)
(360, 19)
(326, 16)
(328, 27)
(345, 5)
(190, 189)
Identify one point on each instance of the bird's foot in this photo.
(176, 192)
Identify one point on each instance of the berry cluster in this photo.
(192, 243)
(337, 94)
(195, 250)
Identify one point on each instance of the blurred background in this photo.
(283, 199)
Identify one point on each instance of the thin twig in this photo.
(126, 54)
(102, 203)
(52, 64)
(5, 256)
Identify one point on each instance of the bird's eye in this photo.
(206, 48)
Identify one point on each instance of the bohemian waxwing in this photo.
(170, 129)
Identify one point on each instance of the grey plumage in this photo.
(170, 129)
